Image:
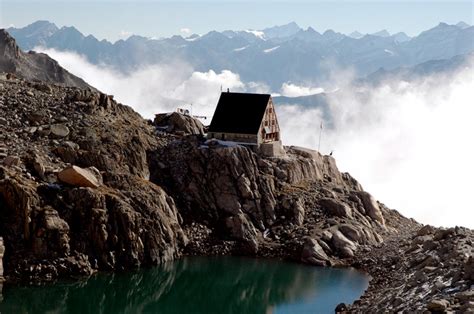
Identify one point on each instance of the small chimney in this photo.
(228, 90)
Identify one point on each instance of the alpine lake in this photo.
(201, 285)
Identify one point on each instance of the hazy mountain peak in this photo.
(41, 24)
(329, 32)
(71, 30)
(401, 37)
(356, 35)
(193, 36)
(382, 33)
(213, 36)
(281, 31)
(137, 38)
(34, 33)
(462, 25)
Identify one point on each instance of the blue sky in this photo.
(117, 19)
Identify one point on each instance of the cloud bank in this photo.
(157, 88)
(185, 30)
(408, 143)
(292, 90)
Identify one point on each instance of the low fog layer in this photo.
(158, 88)
(408, 143)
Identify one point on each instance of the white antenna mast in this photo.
(320, 133)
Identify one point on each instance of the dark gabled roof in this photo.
(239, 113)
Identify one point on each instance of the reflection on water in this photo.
(197, 285)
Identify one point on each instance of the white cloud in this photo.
(258, 87)
(6, 26)
(157, 88)
(292, 90)
(185, 31)
(125, 34)
(204, 88)
(408, 143)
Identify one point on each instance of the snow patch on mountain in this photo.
(258, 34)
(271, 49)
(241, 48)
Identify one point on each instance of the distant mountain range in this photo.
(273, 55)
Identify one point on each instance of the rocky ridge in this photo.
(34, 66)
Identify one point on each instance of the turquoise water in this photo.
(196, 285)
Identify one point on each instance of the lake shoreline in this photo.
(388, 266)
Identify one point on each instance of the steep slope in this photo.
(57, 220)
(33, 66)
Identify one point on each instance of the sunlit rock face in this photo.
(257, 201)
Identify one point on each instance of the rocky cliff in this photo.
(32, 65)
(102, 213)
(269, 205)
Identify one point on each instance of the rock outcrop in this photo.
(178, 123)
(269, 206)
(34, 66)
(78, 176)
